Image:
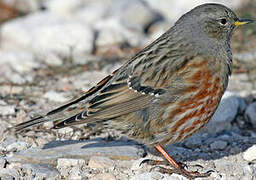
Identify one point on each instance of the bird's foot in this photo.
(181, 170)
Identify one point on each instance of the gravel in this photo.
(53, 55)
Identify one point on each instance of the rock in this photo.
(250, 113)
(17, 146)
(240, 84)
(68, 162)
(64, 8)
(55, 96)
(2, 162)
(7, 110)
(116, 150)
(6, 173)
(70, 168)
(226, 112)
(104, 176)
(49, 41)
(250, 154)
(65, 131)
(22, 61)
(127, 12)
(111, 31)
(41, 171)
(194, 142)
(175, 9)
(157, 176)
(218, 145)
(101, 162)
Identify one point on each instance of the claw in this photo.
(153, 162)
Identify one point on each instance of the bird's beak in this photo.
(241, 22)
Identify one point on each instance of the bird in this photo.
(166, 92)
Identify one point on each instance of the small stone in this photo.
(41, 171)
(194, 142)
(104, 176)
(66, 162)
(7, 110)
(17, 146)
(2, 162)
(250, 154)
(66, 131)
(218, 145)
(7, 173)
(101, 162)
(250, 113)
(55, 96)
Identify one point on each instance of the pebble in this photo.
(101, 162)
(250, 113)
(104, 176)
(55, 96)
(17, 146)
(41, 171)
(250, 154)
(68, 162)
(2, 162)
(66, 131)
(21, 60)
(7, 110)
(218, 145)
(6, 173)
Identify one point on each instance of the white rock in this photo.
(2, 162)
(6, 173)
(17, 146)
(250, 154)
(173, 10)
(250, 113)
(21, 61)
(64, 8)
(55, 96)
(68, 162)
(101, 162)
(111, 31)
(41, 171)
(48, 36)
(127, 12)
(104, 176)
(7, 110)
(157, 176)
(218, 145)
(65, 131)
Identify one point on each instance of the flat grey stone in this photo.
(41, 171)
(116, 150)
(250, 113)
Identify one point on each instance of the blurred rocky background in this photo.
(52, 51)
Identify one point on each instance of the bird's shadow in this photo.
(179, 151)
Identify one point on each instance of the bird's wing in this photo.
(128, 89)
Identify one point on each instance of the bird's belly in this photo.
(188, 115)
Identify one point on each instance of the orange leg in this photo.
(179, 168)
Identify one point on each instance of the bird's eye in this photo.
(223, 21)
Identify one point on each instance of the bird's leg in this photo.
(178, 168)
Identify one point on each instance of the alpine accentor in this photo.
(167, 91)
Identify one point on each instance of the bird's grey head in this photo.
(213, 23)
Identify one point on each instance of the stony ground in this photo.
(55, 51)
